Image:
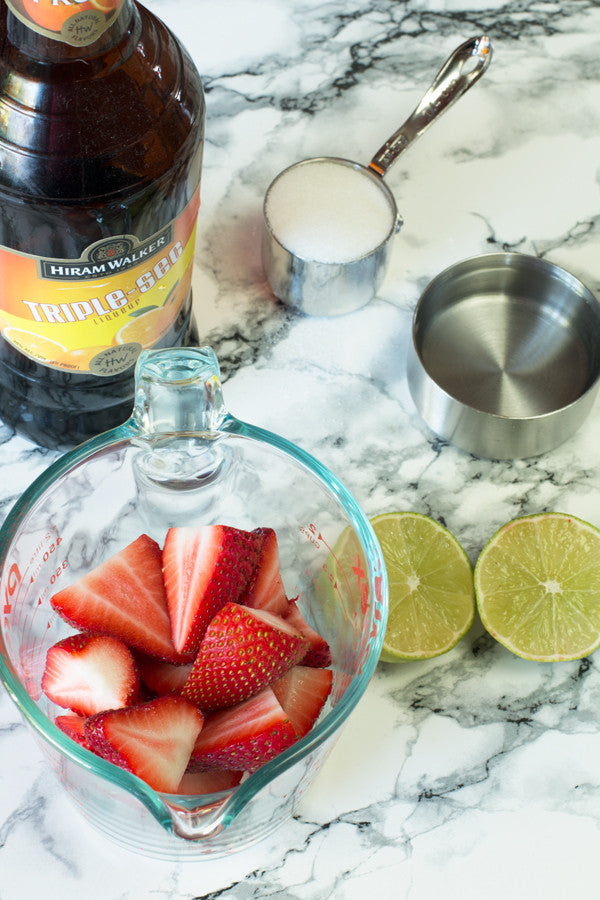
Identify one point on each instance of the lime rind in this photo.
(537, 587)
(431, 595)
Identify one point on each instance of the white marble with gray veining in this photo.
(477, 774)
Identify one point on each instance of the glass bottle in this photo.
(101, 138)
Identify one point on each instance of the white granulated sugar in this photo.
(328, 212)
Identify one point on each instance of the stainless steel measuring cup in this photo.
(328, 222)
(505, 357)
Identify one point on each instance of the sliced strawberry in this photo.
(152, 740)
(302, 693)
(87, 673)
(319, 652)
(73, 727)
(123, 596)
(243, 650)
(204, 567)
(209, 782)
(265, 589)
(161, 677)
(243, 737)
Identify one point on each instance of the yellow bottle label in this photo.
(95, 314)
(75, 22)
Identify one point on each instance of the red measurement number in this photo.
(13, 582)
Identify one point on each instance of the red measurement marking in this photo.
(13, 582)
(378, 582)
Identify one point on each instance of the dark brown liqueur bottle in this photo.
(101, 139)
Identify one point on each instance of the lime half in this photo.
(430, 586)
(537, 584)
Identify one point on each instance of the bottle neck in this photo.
(94, 27)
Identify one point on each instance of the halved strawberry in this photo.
(161, 677)
(302, 693)
(319, 652)
(242, 651)
(209, 782)
(87, 673)
(204, 568)
(152, 740)
(123, 596)
(265, 589)
(243, 737)
(73, 726)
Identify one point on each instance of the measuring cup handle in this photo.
(177, 390)
(450, 83)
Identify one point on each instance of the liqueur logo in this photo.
(112, 249)
(106, 258)
(83, 28)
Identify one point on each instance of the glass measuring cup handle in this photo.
(177, 419)
(178, 391)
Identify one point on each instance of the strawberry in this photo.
(204, 568)
(123, 596)
(73, 727)
(161, 677)
(302, 693)
(243, 737)
(152, 740)
(318, 653)
(243, 650)
(87, 673)
(265, 589)
(209, 782)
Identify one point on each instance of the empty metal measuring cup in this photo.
(328, 222)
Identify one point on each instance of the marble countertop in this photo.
(476, 774)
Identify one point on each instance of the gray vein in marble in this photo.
(10, 728)
(382, 26)
(31, 815)
(249, 343)
(431, 805)
(24, 813)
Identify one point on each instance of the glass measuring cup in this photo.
(328, 222)
(182, 458)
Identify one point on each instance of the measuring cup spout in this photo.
(460, 71)
(199, 823)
